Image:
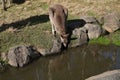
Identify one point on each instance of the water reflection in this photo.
(74, 64)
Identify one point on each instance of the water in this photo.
(73, 64)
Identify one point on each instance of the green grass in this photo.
(44, 5)
(91, 13)
(100, 40)
(113, 38)
(39, 36)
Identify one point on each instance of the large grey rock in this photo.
(89, 19)
(44, 52)
(92, 26)
(20, 55)
(94, 30)
(57, 45)
(109, 75)
(56, 48)
(81, 34)
(111, 22)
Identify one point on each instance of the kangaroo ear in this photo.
(51, 11)
(66, 12)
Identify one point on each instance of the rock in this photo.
(57, 45)
(89, 30)
(92, 26)
(81, 35)
(109, 75)
(20, 55)
(104, 32)
(111, 22)
(44, 52)
(34, 54)
(89, 19)
(56, 48)
(94, 30)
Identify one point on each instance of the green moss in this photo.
(100, 40)
(113, 38)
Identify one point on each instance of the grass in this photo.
(28, 23)
(44, 6)
(38, 36)
(91, 13)
(113, 38)
(100, 40)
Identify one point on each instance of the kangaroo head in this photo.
(64, 39)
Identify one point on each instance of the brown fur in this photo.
(58, 17)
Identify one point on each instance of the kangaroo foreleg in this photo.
(51, 16)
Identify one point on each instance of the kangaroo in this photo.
(4, 4)
(58, 17)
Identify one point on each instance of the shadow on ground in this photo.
(18, 1)
(75, 23)
(22, 23)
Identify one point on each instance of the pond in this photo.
(73, 64)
